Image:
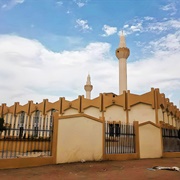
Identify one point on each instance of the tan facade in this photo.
(79, 131)
(127, 107)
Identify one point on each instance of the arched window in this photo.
(51, 117)
(21, 123)
(36, 122)
(21, 118)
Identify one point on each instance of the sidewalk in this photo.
(123, 170)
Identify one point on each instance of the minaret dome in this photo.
(122, 51)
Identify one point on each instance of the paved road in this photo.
(123, 170)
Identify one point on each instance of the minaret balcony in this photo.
(88, 87)
(122, 52)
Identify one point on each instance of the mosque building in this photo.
(87, 128)
(126, 107)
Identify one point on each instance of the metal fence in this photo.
(26, 136)
(119, 138)
(171, 140)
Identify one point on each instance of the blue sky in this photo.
(47, 47)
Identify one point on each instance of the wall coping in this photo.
(81, 115)
(149, 122)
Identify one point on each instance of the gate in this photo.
(24, 136)
(119, 138)
(171, 139)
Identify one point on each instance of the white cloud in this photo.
(145, 25)
(170, 7)
(59, 3)
(148, 18)
(134, 26)
(18, 1)
(169, 43)
(137, 27)
(83, 24)
(29, 71)
(80, 3)
(11, 3)
(109, 30)
(163, 26)
(161, 70)
(126, 26)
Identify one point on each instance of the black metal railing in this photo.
(119, 138)
(171, 140)
(28, 139)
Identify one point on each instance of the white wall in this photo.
(142, 113)
(70, 111)
(92, 111)
(79, 139)
(150, 141)
(115, 113)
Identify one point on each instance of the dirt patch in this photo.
(124, 170)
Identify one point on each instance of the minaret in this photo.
(88, 87)
(122, 53)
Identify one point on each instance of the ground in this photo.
(123, 170)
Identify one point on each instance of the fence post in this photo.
(55, 134)
(103, 137)
(136, 129)
(162, 140)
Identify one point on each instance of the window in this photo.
(114, 129)
(36, 123)
(111, 129)
(21, 124)
(51, 117)
(117, 130)
(22, 116)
